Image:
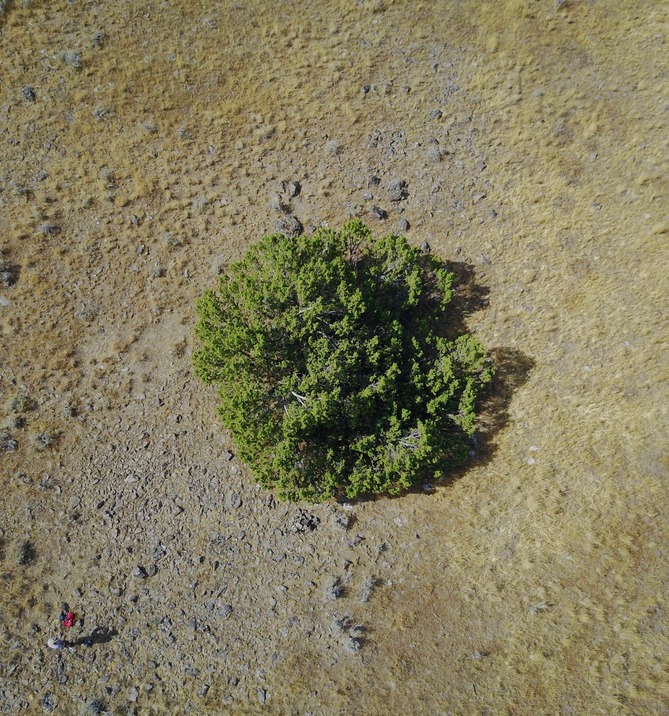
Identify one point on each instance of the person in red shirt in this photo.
(68, 619)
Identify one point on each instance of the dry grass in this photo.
(536, 583)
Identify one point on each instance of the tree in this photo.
(332, 365)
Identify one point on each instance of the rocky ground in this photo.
(144, 147)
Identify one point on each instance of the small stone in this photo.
(436, 114)
(304, 522)
(294, 188)
(289, 226)
(262, 695)
(425, 247)
(353, 645)
(28, 93)
(334, 590)
(342, 520)
(225, 611)
(403, 225)
(202, 691)
(235, 501)
(365, 89)
(397, 190)
(373, 181)
(152, 571)
(378, 213)
(139, 573)
(133, 694)
(48, 702)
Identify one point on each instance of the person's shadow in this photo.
(99, 635)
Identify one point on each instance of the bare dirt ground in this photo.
(142, 148)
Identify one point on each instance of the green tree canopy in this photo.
(331, 363)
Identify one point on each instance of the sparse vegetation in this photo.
(6, 275)
(26, 553)
(72, 58)
(43, 440)
(18, 403)
(335, 375)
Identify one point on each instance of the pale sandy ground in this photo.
(145, 160)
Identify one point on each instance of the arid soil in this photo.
(143, 147)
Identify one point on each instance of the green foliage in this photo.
(334, 375)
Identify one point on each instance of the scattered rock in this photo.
(28, 93)
(294, 188)
(367, 589)
(225, 611)
(289, 226)
(26, 553)
(403, 225)
(436, 114)
(425, 247)
(9, 445)
(378, 213)
(333, 590)
(94, 708)
(262, 695)
(353, 644)
(48, 702)
(352, 210)
(275, 204)
(397, 190)
(139, 573)
(235, 501)
(341, 519)
(435, 153)
(304, 522)
(133, 694)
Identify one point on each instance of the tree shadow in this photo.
(512, 371)
(468, 298)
